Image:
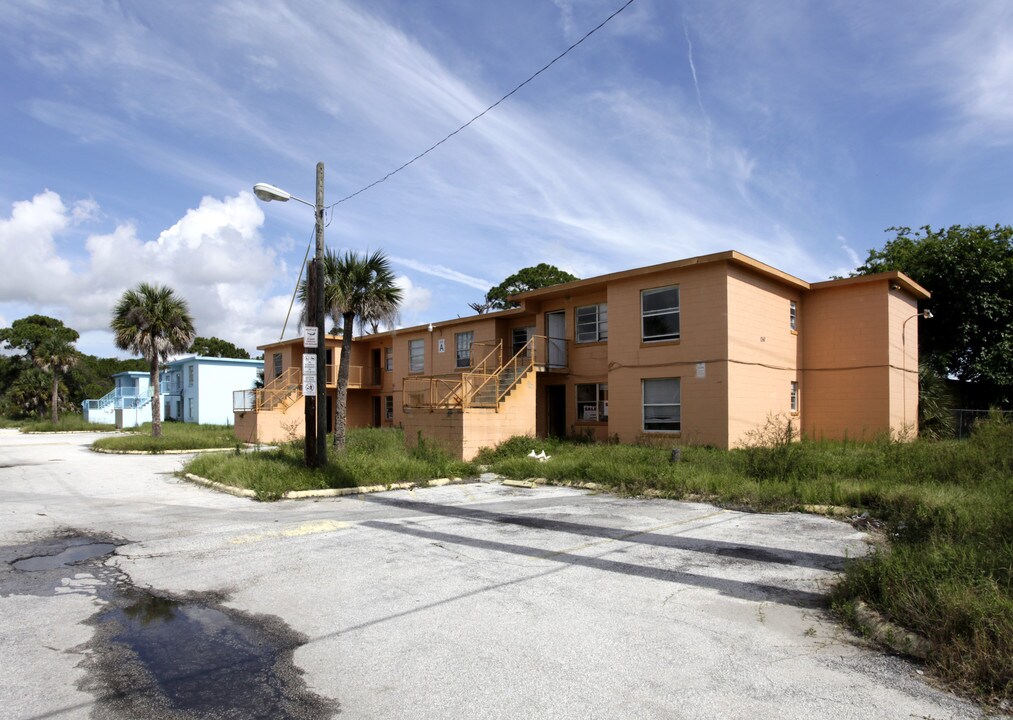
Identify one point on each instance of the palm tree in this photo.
(153, 322)
(356, 287)
(55, 355)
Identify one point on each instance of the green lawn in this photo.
(67, 423)
(175, 436)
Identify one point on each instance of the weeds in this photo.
(175, 436)
(67, 423)
(372, 457)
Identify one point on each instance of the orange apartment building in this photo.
(696, 351)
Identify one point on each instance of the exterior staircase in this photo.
(487, 385)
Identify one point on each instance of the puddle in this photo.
(200, 661)
(164, 657)
(69, 556)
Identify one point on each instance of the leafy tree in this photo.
(26, 334)
(216, 347)
(56, 356)
(28, 394)
(969, 271)
(529, 278)
(356, 287)
(46, 343)
(154, 322)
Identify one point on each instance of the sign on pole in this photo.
(311, 338)
(309, 375)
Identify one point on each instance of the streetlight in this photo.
(316, 403)
(927, 314)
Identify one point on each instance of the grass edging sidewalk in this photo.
(176, 437)
(325, 492)
(112, 451)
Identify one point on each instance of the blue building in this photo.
(199, 389)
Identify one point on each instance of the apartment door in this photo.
(555, 331)
(375, 369)
(555, 408)
(377, 416)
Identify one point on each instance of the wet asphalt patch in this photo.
(166, 657)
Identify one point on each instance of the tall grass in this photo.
(372, 457)
(946, 571)
(175, 436)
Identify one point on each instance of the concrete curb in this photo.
(67, 432)
(327, 492)
(106, 451)
(893, 636)
(238, 492)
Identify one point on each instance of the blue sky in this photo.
(795, 132)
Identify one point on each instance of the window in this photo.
(388, 408)
(521, 337)
(388, 359)
(190, 375)
(660, 314)
(463, 342)
(593, 402)
(277, 364)
(662, 407)
(794, 397)
(793, 315)
(416, 356)
(189, 406)
(592, 323)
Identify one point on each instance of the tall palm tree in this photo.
(356, 287)
(153, 322)
(55, 355)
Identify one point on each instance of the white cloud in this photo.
(213, 256)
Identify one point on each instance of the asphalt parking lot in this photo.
(465, 601)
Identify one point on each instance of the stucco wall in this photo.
(852, 383)
(763, 352)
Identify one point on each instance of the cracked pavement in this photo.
(465, 601)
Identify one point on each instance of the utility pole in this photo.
(310, 401)
(321, 400)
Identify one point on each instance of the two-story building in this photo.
(696, 351)
(198, 389)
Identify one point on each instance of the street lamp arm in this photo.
(267, 193)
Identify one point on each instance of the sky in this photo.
(132, 133)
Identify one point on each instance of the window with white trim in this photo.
(388, 407)
(662, 405)
(388, 359)
(659, 310)
(416, 356)
(794, 397)
(793, 315)
(592, 323)
(190, 375)
(592, 402)
(463, 342)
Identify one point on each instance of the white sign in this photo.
(701, 370)
(442, 345)
(309, 375)
(591, 413)
(311, 338)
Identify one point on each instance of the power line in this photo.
(532, 77)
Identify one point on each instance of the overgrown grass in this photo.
(6, 422)
(67, 423)
(372, 457)
(946, 569)
(175, 436)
